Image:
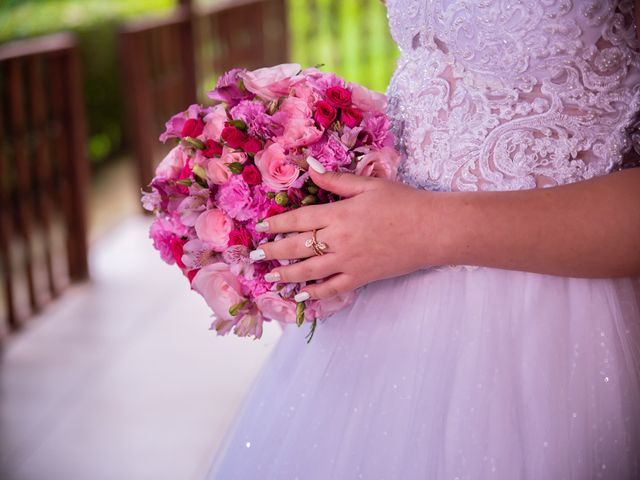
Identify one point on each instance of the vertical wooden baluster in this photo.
(23, 197)
(42, 170)
(187, 47)
(77, 223)
(61, 148)
(5, 239)
(138, 103)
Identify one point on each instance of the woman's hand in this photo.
(375, 232)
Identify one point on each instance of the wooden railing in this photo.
(43, 175)
(159, 80)
(167, 62)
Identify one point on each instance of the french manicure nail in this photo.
(315, 164)
(257, 254)
(302, 296)
(262, 226)
(272, 277)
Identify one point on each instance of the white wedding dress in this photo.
(463, 373)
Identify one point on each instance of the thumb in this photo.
(341, 183)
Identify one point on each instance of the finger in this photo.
(289, 248)
(336, 285)
(313, 268)
(299, 220)
(344, 184)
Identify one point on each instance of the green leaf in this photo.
(185, 181)
(194, 142)
(235, 167)
(238, 124)
(312, 330)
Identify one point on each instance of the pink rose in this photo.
(277, 172)
(214, 122)
(329, 306)
(379, 163)
(274, 307)
(217, 171)
(214, 227)
(299, 129)
(172, 165)
(368, 100)
(272, 82)
(220, 289)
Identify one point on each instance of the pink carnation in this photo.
(331, 152)
(377, 127)
(235, 198)
(259, 122)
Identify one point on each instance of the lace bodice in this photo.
(513, 94)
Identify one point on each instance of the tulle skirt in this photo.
(452, 374)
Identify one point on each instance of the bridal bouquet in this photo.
(242, 160)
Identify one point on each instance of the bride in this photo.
(497, 330)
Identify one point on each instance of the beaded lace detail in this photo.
(508, 94)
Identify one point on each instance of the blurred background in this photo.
(107, 367)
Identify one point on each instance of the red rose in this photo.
(251, 175)
(325, 113)
(191, 274)
(239, 237)
(177, 250)
(274, 209)
(351, 117)
(212, 149)
(252, 145)
(339, 97)
(193, 128)
(234, 137)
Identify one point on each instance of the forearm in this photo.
(586, 229)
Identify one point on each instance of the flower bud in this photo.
(309, 200)
(312, 189)
(199, 172)
(282, 199)
(299, 313)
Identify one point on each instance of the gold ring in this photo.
(319, 248)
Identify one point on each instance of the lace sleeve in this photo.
(631, 156)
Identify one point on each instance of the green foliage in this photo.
(350, 37)
(28, 18)
(95, 24)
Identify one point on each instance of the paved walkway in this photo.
(120, 379)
